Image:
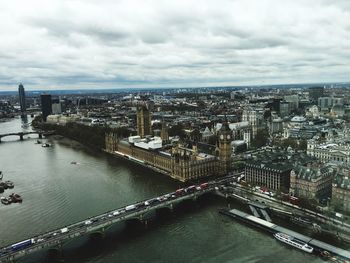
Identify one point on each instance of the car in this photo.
(40, 240)
(130, 207)
(179, 192)
(147, 203)
(153, 201)
(191, 188)
(88, 222)
(115, 213)
(204, 185)
(64, 230)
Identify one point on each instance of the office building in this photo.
(315, 93)
(311, 181)
(46, 105)
(22, 99)
(272, 169)
(341, 192)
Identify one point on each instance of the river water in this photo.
(57, 193)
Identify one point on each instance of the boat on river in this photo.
(16, 198)
(6, 200)
(9, 184)
(294, 242)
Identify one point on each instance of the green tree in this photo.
(260, 139)
(177, 130)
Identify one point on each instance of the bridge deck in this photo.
(57, 237)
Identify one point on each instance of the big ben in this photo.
(225, 148)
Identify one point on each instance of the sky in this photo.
(58, 44)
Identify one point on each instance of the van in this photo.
(115, 213)
(88, 222)
(130, 207)
(64, 230)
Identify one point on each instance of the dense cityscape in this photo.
(283, 151)
(174, 131)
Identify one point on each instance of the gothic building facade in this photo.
(179, 162)
(143, 119)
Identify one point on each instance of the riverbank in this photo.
(93, 137)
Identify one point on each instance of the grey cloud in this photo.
(168, 43)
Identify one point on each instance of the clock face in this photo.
(221, 136)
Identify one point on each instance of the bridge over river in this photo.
(56, 238)
(22, 134)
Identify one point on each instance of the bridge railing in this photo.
(74, 230)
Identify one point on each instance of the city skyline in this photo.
(121, 44)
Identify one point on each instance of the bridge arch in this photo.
(22, 134)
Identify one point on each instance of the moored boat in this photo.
(292, 241)
(16, 198)
(4, 185)
(9, 184)
(6, 200)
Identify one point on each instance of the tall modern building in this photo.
(22, 99)
(46, 105)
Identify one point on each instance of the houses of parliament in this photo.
(175, 160)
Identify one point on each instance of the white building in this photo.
(151, 143)
(328, 152)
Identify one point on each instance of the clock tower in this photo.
(225, 148)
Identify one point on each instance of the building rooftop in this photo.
(311, 173)
(341, 181)
(279, 160)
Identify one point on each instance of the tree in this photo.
(260, 139)
(177, 130)
(302, 145)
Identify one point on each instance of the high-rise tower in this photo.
(143, 120)
(225, 148)
(22, 99)
(46, 105)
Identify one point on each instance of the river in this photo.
(57, 193)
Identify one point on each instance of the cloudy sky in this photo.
(57, 44)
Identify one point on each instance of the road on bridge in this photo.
(96, 223)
